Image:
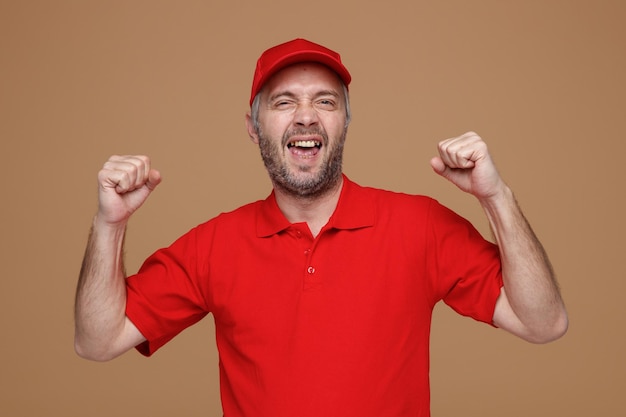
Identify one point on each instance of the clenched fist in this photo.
(465, 161)
(124, 183)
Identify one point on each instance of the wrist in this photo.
(503, 197)
(103, 226)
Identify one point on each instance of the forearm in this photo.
(530, 285)
(101, 294)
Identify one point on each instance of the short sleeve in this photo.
(165, 296)
(465, 267)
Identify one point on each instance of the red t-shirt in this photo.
(336, 325)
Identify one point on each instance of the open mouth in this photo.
(305, 144)
(304, 148)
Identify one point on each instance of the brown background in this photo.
(541, 81)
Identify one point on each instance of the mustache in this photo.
(304, 131)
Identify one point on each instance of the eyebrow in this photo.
(287, 93)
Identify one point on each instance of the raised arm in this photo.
(530, 304)
(102, 330)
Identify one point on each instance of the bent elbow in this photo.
(554, 331)
(560, 327)
(92, 354)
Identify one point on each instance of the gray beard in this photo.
(326, 180)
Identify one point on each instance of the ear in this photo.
(254, 137)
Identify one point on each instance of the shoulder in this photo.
(388, 200)
(393, 207)
(240, 217)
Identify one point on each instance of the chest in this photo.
(344, 279)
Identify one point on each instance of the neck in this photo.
(315, 211)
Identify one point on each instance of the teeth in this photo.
(305, 143)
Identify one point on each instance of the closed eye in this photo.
(282, 104)
(327, 103)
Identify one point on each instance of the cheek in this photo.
(335, 127)
(274, 127)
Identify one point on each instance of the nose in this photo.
(305, 114)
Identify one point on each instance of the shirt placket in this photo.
(306, 242)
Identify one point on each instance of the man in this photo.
(322, 294)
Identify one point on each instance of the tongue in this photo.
(306, 152)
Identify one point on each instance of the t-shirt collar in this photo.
(355, 210)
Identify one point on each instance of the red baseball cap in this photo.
(293, 52)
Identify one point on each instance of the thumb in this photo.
(450, 174)
(154, 179)
(438, 165)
